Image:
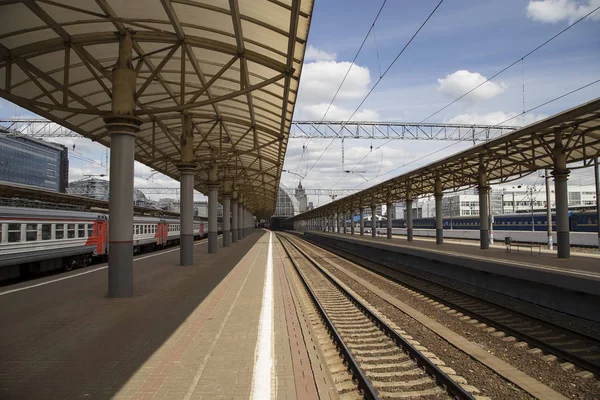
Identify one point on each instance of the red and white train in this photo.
(38, 240)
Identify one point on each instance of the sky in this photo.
(463, 44)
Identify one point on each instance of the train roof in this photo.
(25, 212)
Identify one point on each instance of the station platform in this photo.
(217, 330)
(542, 279)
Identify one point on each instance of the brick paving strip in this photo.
(303, 373)
(187, 349)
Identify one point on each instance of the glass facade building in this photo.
(33, 162)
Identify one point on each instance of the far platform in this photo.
(514, 273)
(188, 332)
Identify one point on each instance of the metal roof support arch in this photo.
(122, 127)
(561, 175)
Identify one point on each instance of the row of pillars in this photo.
(331, 222)
(122, 126)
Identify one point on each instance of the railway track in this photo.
(383, 363)
(565, 343)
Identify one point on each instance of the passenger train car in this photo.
(38, 240)
(579, 221)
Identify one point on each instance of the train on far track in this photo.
(40, 240)
(579, 221)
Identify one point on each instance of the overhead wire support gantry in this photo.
(41, 128)
(397, 130)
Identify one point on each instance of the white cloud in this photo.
(321, 79)
(460, 82)
(496, 117)
(335, 113)
(315, 54)
(552, 11)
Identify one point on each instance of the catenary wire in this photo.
(521, 59)
(345, 76)
(378, 81)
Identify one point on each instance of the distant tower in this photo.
(302, 199)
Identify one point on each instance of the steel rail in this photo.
(364, 384)
(432, 369)
(549, 348)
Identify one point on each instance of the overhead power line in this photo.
(380, 79)
(503, 122)
(520, 59)
(344, 79)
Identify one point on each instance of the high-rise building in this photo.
(34, 162)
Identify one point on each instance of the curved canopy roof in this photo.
(234, 66)
(506, 158)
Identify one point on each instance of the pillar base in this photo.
(120, 270)
(186, 250)
(234, 236)
(226, 238)
(212, 242)
(389, 234)
(484, 242)
(409, 234)
(564, 251)
(439, 236)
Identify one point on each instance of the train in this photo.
(579, 221)
(40, 240)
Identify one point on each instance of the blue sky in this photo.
(478, 38)
(463, 43)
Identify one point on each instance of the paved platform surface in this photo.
(188, 333)
(581, 263)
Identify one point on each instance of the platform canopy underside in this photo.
(233, 66)
(505, 159)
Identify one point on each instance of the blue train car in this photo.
(579, 221)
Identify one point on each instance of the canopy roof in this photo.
(234, 66)
(506, 158)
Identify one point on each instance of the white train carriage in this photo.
(38, 240)
(147, 233)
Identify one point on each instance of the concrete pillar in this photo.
(373, 220)
(439, 216)
(234, 218)
(345, 216)
(389, 220)
(186, 201)
(409, 214)
(226, 220)
(561, 175)
(243, 221)
(186, 216)
(122, 127)
(213, 198)
(240, 217)
(484, 208)
(337, 222)
(361, 217)
(352, 212)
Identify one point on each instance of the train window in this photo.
(145, 228)
(81, 230)
(14, 233)
(31, 232)
(46, 231)
(60, 231)
(90, 229)
(70, 231)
